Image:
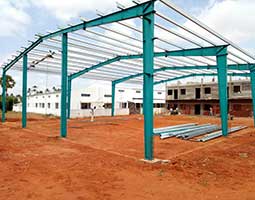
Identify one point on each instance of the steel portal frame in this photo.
(161, 65)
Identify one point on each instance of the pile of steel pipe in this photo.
(199, 131)
(176, 133)
(158, 131)
(219, 133)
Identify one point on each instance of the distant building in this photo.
(127, 101)
(198, 98)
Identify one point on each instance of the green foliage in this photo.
(10, 101)
(10, 83)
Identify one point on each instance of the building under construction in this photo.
(198, 98)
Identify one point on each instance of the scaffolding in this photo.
(156, 48)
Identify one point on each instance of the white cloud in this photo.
(233, 18)
(13, 18)
(66, 9)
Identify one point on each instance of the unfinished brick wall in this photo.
(237, 107)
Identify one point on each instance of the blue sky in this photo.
(21, 19)
(41, 19)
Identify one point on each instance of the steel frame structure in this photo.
(83, 50)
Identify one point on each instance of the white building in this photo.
(127, 101)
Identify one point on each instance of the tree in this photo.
(10, 101)
(19, 98)
(10, 83)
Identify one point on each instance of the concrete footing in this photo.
(154, 161)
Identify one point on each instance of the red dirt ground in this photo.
(100, 160)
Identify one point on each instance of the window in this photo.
(85, 105)
(36, 105)
(183, 91)
(207, 107)
(170, 92)
(48, 105)
(207, 90)
(237, 89)
(48, 96)
(138, 91)
(107, 95)
(56, 105)
(246, 86)
(158, 105)
(159, 92)
(121, 90)
(123, 105)
(138, 105)
(57, 95)
(85, 95)
(43, 105)
(107, 105)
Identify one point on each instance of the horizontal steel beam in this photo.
(230, 67)
(206, 51)
(129, 13)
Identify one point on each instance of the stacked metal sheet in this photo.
(198, 131)
(217, 134)
(158, 131)
(185, 131)
(191, 130)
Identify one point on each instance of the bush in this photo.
(10, 100)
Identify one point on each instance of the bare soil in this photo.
(101, 160)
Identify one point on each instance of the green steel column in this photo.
(222, 87)
(148, 67)
(252, 74)
(113, 98)
(3, 95)
(63, 117)
(69, 93)
(24, 92)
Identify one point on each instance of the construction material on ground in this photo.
(191, 130)
(173, 128)
(183, 131)
(198, 132)
(217, 134)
